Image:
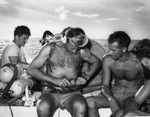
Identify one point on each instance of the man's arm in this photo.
(37, 63)
(140, 97)
(34, 68)
(106, 77)
(143, 93)
(106, 73)
(15, 60)
(133, 105)
(112, 101)
(13, 55)
(95, 63)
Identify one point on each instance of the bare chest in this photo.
(125, 70)
(65, 64)
(62, 58)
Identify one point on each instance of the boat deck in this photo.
(5, 111)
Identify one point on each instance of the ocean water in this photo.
(33, 46)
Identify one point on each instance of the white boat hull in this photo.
(31, 112)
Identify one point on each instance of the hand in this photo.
(80, 81)
(106, 91)
(62, 82)
(72, 82)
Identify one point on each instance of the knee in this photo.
(118, 113)
(43, 106)
(80, 106)
(91, 102)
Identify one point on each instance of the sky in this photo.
(98, 18)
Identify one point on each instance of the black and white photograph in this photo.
(74, 58)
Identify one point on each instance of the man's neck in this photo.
(126, 56)
(16, 43)
(71, 49)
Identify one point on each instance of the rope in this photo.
(59, 112)
(12, 115)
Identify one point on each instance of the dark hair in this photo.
(20, 30)
(65, 30)
(142, 49)
(47, 32)
(72, 32)
(121, 37)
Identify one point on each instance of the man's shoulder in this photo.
(11, 46)
(107, 59)
(51, 46)
(55, 43)
(84, 51)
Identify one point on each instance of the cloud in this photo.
(7, 10)
(105, 14)
(60, 9)
(126, 21)
(62, 12)
(3, 2)
(141, 8)
(111, 19)
(79, 14)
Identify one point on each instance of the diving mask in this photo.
(79, 40)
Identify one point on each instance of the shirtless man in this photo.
(121, 67)
(132, 108)
(14, 53)
(97, 50)
(63, 72)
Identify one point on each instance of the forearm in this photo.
(143, 93)
(106, 80)
(106, 76)
(38, 75)
(113, 104)
(94, 69)
(106, 71)
(111, 100)
(23, 65)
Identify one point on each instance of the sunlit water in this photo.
(33, 46)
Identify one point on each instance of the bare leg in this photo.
(136, 113)
(46, 106)
(118, 113)
(95, 103)
(77, 106)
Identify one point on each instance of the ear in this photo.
(16, 37)
(145, 61)
(124, 49)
